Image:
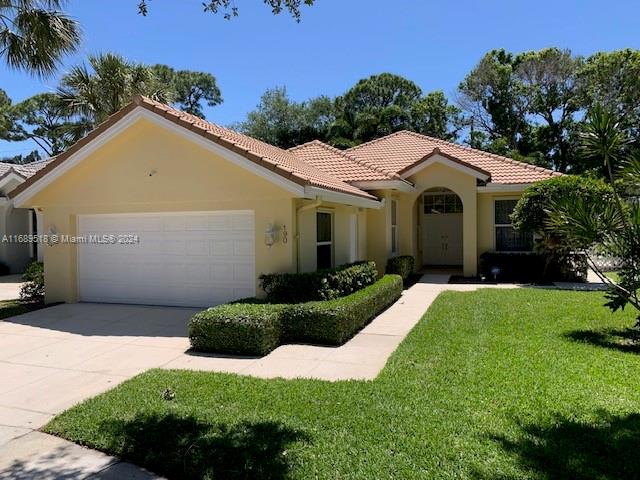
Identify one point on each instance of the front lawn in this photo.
(11, 308)
(494, 384)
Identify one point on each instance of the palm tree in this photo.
(613, 226)
(35, 35)
(105, 86)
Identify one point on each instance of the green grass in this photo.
(615, 276)
(494, 384)
(11, 308)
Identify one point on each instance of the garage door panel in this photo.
(198, 259)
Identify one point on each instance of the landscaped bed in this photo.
(326, 307)
(524, 383)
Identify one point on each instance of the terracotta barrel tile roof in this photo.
(280, 161)
(340, 164)
(400, 150)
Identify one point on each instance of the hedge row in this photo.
(321, 285)
(257, 328)
(402, 265)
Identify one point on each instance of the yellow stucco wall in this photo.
(435, 175)
(486, 230)
(115, 179)
(342, 233)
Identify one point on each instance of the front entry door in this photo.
(442, 239)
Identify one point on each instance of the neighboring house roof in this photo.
(339, 163)
(281, 162)
(27, 170)
(400, 151)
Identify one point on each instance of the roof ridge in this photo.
(375, 140)
(482, 152)
(210, 128)
(359, 161)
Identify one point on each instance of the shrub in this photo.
(320, 285)
(532, 214)
(32, 291)
(402, 265)
(531, 210)
(4, 269)
(251, 327)
(532, 267)
(333, 322)
(526, 267)
(245, 329)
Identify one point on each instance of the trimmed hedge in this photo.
(252, 328)
(245, 329)
(333, 322)
(321, 285)
(402, 265)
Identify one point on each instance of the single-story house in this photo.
(16, 224)
(156, 206)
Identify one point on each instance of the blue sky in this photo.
(338, 42)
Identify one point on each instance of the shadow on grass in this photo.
(185, 447)
(605, 449)
(621, 339)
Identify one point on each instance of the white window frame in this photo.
(393, 227)
(496, 225)
(330, 242)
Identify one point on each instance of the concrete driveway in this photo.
(10, 287)
(53, 358)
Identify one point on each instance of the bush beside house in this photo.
(32, 290)
(557, 259)
(253, 327)
(321, 285)
(402, 265)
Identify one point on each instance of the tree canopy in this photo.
(229, 9)
(35, 35)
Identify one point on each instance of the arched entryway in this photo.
(441, 228)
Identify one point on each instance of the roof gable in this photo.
(267, 157)
(398, 151)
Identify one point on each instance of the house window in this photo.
(438, 203)
(508, 239)
(394, 227)
(324, 240)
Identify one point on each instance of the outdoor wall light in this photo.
(270, 235)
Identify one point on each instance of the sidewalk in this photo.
(361, 358)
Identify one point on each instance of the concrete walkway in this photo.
(10, 287)
(36, 456)
(361, 358)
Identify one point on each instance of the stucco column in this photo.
(470, 233)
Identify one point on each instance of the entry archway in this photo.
(441, 222)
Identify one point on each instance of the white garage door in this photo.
(194, 259)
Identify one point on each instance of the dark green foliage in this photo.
(245, 329)
(531, 267)
(254, 328)
(532, 214)
(525, 267)
(333, 322)
(402, 265)
(320, 285)
(32, 291)
(531, 211)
